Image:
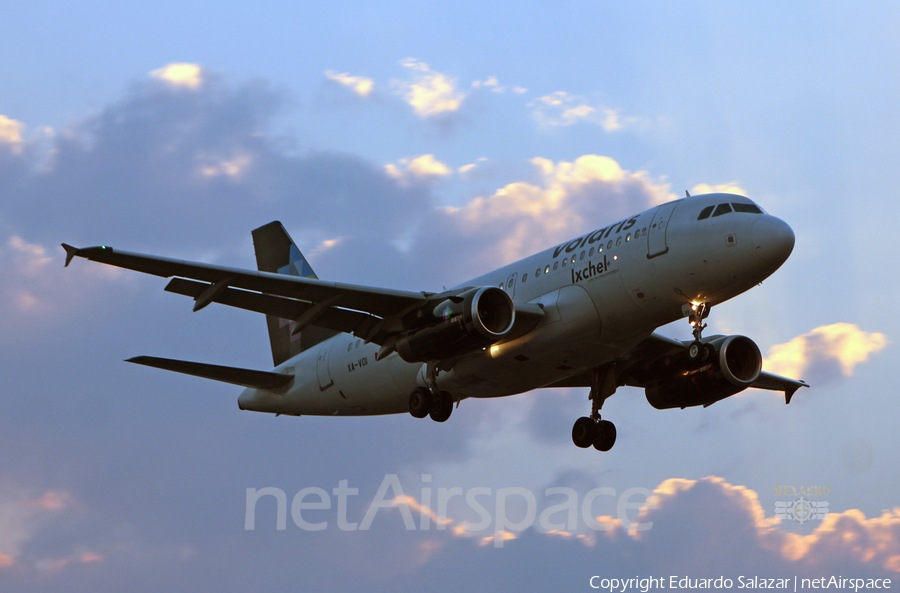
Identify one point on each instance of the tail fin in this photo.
(276, 252)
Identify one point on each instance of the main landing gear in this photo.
(431, 401)
(595, 431)
(423, 403)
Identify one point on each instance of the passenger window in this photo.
(722, 209)
(565, 261)
(525, 277)
(600, 248)
(358, 342)
(705, 212)
(618, 241)
(573, 259)
(547, 269)
(537, 272)
(591, 252)
(628, 237)
(609, 245)
(555, 265)
(510, 285)
(581, 256)
(748, 208)
(349, 346)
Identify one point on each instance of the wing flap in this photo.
(234, 375)
(342, 320)
(377, 301)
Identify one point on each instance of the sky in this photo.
(413, 145)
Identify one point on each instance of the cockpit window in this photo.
(705, 212)
(749, 208)
(722, 209)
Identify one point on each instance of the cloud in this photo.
(201, 169)
(34, 288)
(826, 353)
(360, 85)
(430, 93)
(11, 133)
(728, 527)
(232, 167)
(195, 164)
(325, 246)
(563, 109)
(492, 84)
(30, 259)
(24, 514)
(53, 566)
(725, 188)
(24, 269)
(729, 534)
(180, 74)
(469, 167)
(569, 198)
(419, 168)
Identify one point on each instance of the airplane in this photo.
(583, 313)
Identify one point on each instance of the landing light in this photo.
(495, 350)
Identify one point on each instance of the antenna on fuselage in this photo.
(687, 194)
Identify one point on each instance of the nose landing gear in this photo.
(698, 351)
(594, 430)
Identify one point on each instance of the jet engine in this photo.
(462, 324)
(732, 364)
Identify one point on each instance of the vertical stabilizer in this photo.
(276, 253)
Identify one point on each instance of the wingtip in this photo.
(788, 394)
(71, 252)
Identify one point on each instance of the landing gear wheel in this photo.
(583, 432)
(695, 351)
(441, 407)
(420, 402)
(604, 435)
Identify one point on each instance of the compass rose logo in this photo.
(801, 510)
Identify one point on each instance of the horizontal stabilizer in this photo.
(245, 377)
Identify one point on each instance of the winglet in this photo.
(789, 393)
(70, 253)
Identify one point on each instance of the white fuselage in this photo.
(602, 293)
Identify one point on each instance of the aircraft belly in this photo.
(356, 385)
(364, 385)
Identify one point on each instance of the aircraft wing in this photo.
(779, 383)
(642, 365)
(343, 307)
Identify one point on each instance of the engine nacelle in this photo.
(734, 365)
(471, 321)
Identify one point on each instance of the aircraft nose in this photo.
(773, 240)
